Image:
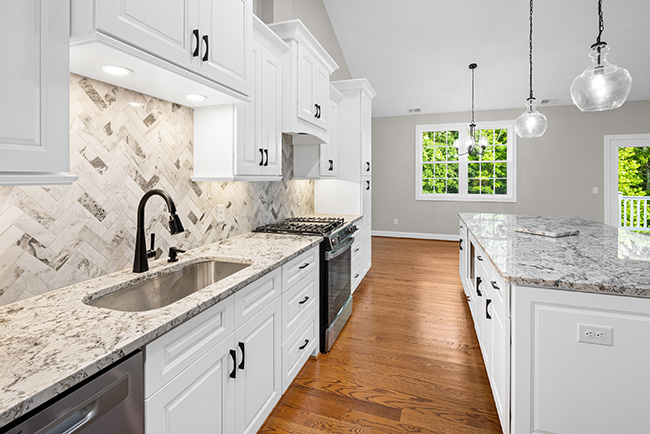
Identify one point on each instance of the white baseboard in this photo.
(418, 235)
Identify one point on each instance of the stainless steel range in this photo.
(335, 269)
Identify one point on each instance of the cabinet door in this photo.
(366, 198)
(199, 400)
(329, 152)
(166, 28)
(249, 154)
(321, 95)
(271, 125)
(306, 72)
(259, 373)
(366, 135)
(500, 374)
(34, 84)
(226, 35)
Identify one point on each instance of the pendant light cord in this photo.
(472, 95)
(601, 23)
(530, 51)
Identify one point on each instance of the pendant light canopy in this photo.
(531, 124)
(475, 142)
(603, 85)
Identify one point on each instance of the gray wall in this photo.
(556, 172)
(313, 15)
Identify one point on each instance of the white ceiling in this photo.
(416, 53)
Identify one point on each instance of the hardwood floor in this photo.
(406, 362)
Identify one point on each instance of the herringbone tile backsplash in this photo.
(122, 144)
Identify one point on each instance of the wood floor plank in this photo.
(408, 360)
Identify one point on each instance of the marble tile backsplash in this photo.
(122, 144)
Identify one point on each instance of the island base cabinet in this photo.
(201, 399)
(564, 380)
(259, 369)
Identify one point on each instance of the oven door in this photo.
(338, 262)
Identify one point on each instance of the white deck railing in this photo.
(634, 212)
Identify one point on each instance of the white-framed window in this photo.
(442, 174)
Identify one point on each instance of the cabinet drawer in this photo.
(256, 296)
(298, 347)
(298, 302)
(170, 354)
(501, 292)
(357, 249)
(299, 267)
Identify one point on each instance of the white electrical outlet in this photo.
(594, 190)
(394, 221)
(593, 334)
(221, 213)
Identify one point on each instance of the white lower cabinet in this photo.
(224, 370)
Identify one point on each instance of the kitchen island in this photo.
(562, 320)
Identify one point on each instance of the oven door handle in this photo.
(340, 249)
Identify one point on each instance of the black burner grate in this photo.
(304, 226)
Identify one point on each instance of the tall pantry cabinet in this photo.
(351, 192)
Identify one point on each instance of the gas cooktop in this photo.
(304, 226)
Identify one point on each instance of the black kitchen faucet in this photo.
(140, 262)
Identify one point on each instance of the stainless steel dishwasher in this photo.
(111, 403)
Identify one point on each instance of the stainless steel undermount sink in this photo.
(167, 288)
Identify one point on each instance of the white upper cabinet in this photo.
(35, 89)
(312, 160)
(173, 47)
(306, 80)
(244, 142)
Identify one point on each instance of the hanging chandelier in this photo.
(603, 85)
(474, 143)
(531, 124)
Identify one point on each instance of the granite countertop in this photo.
(52, 342)
(600, 258)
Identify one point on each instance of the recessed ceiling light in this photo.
(196, 97)
(116, 70)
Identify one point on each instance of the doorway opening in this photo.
(627, 181)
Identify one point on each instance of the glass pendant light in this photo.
(474, 143)
(531, 124)
(603, 85)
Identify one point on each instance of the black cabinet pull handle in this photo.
(356, 275)
(207, 48)
(368, 168)
(233, 373)
(478, 284)
(261, 157)
(460, 244)
(480, 258)
(317, 114)
(195, 32)
(487, 307)
(331, 164)
(495, 286)
(303, 266)
(357, 249)
(266, 153)
(367, 185)
(304, 301)
(304, 345)
(242, 347)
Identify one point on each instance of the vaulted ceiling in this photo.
(416, 53)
